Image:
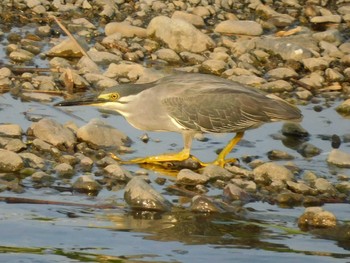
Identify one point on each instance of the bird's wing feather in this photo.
(217, 113)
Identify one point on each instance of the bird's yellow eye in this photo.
(114, 96)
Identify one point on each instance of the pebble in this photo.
(85, 184)
(140, 195)
(240, 27)
(193, 19)
(42, 177)
(168, 55)
(32, 160)
(189, 177)
(21, 55)
(15, 145)
(233, 193)
(213, 66)
(294, 129)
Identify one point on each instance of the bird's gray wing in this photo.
(218, 113)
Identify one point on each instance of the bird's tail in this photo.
(282, 110)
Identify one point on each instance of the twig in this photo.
(21, 200)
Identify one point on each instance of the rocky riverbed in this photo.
(297, 50)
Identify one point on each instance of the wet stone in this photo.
(118, 173)
(188, 177)
(21, 55)
(213, 66)
(344, 108)
(247, 185)
(324, 186)
(42, 177)
(281, 73)
(202, 204)
(214, 172)
(54, 133)
(239, 172)
(308, 150)
(316, 217)
(10, 161)
(339, 158)
(233, 192)
(294, 129)
(168, 55)
(289, 198)
(140, 195)
(64, 169)
(300, 187)
(86, 184)
(32, 160)
(269, 172)
(86, 163)
(99, 134)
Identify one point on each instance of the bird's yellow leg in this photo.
(168, 157)
(220, 160)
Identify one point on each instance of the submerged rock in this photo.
(141, 196)
(316, 217)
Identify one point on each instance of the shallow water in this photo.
(266, 233)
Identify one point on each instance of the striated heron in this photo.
(190, 104)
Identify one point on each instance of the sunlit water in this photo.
(48, 233)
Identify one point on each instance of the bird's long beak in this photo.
(91, 99)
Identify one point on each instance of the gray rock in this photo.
(316, 217)
(10, 161)
(141, 196)
(86, 184)
(188, 177)
(247, 185)
(41, 145)
(179, 35)
(11, 130)
(54, 133)
(99, 134)
(239, 27)
(214, 172)
(103, 57)
(33, 160)
(339, 158)
(304, 94)
(239, 172)
(86, 163)
(118, 173)
(269, 172)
